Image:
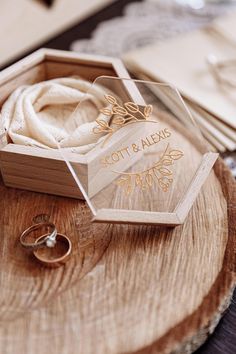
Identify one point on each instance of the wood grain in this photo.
(127, 289)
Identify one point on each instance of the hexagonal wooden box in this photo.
(21, 166)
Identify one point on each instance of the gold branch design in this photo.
(160, 173)
(121, 115)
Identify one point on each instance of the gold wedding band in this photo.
(49, 259)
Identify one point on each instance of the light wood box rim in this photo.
(60, 56)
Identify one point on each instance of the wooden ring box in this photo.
(21, 166)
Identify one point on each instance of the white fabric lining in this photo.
(45, 115)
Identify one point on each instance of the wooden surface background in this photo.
(43, 326)
(127, 289)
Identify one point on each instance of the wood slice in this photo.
(126, 289)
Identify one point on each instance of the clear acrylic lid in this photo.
(140, 158)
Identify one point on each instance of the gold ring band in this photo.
(51, 261)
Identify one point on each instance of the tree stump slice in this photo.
(126, 289)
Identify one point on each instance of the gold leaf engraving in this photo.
(149, 179)
(106, 111)
(165, 171)
(157, 174)
(131, 107)
(118, 120)
(119, 110)
(110, 99)
(120, 116)
(148, 110)
(102, 127)
(167, 161)
(175, 154)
